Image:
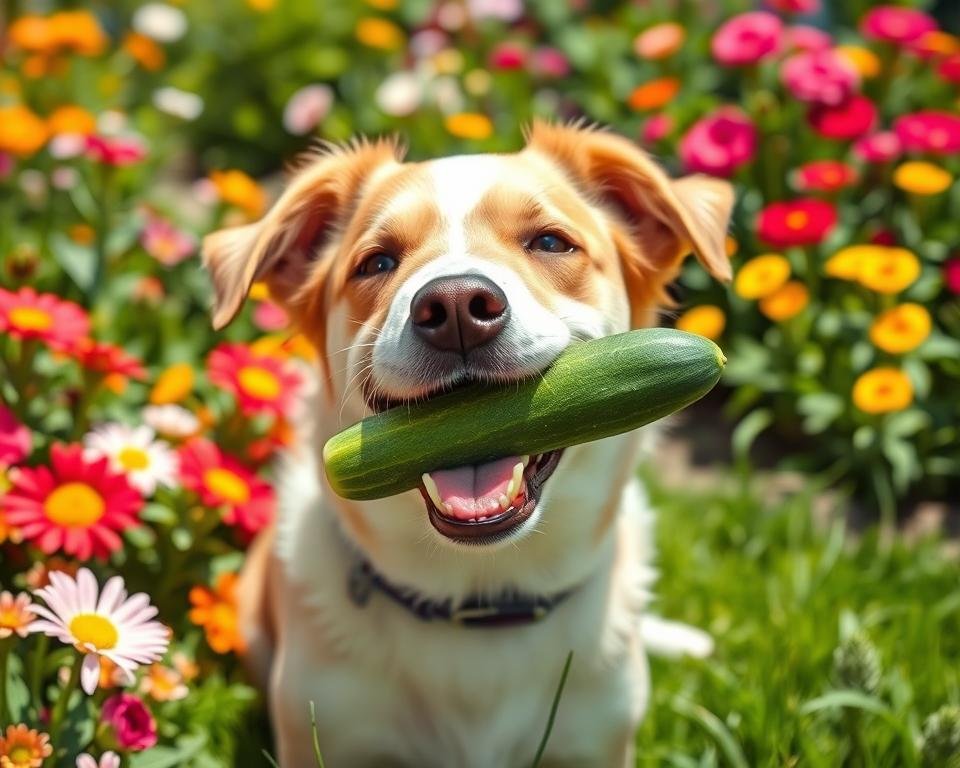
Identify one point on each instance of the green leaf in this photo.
(821, 409)
(903, 459)
(848, 699)
(906, 423)
(170, 757)
(18, 693)
(716, 728)
(78, 261)
(748, 429)
(158, 513)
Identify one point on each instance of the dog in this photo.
(430, 628)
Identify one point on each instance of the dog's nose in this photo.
(459, 313)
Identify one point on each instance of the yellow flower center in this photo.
(10, 619)
(30, 319)
(226, 484)
(797, 219)
(94, 629)
(258, 382)
(74, 504)
(132, 459)
(21, 755)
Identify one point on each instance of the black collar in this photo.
(508, 609)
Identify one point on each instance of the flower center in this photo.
(227, 485)
(884, 390)
(30, 319)
(797, 219)
(259, 382)
(10, 619)
(132, 459)
(21, 755)
(74, 504)
(94, 629)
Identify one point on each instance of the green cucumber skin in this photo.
(632, 379)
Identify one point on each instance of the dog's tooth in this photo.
(433, 492)
(514, 488)
(447, 508)
(525, 460)
(504, 503)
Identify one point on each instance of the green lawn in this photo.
(779, 594)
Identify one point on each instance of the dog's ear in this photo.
(281, 248)
(666, 218)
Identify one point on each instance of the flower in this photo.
(895, 24)
(951, 275)
(889, 270)
(101, 623)
(847, 120)
(819, 77)
(785, 302)
(15, 439)
(74, 505)
(78, 31)
(901, 329)
(307, 108)
(508, 56)
(803, 37)
(39, 574)
(216, 611)
(163, 684)
(795, 6)
(747, 38)
(29, 315)
(268, 316)
(654, 94)
(134, 452)
(824, 176)
(173, 384)
(400, 94)
(222, 481)
(949, 68)
(661, 41)
(719, 143)
(21, 131)
(379, 33)
(805, 221)
(921, 178)
(260, 383)
(929, 131)
(129, 722)
(15, 615)
(177, 102)
(934, 44)
(882, 390)
(160, 21)
(845, 264)
(237, 188)
(656, 128)
(469, 125)
(167, 244)
(706, 320)
(171, 421)
(108, 759)
(502, 10)
(879, 147)
(115, 150)
(865, 61)
(108, 359)
(71, 119)
(548, 62)
(144, 51)
(22, 747)
(761, 276)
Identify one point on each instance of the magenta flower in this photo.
(508, 57)
(656, 128)
(896, 24)
(15, 440)
(951, 275)
(880, 147)
(129, 722)
(307, 108)
(747, 38)
(720, 143)
(848, 120)
(803, 37)
(795, 6)
(165, 242)
(115, 150)
(929, 131)
(549, 62)
(821, 77)
(6, 165)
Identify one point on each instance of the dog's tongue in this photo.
(474, 491)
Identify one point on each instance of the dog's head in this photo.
(413, 278)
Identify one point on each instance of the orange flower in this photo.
(237, 188)
(31, 33)
(861, 59)
(469, 125)
(216, 611)
(77, 31)
(173, 385)
(71, 119)
(705, 320)
(659, 41)
(21, 131)
(785, 302)
(654, 94)
(380, 33)
(901, 329)
(761, 276)
(144, 51)
(23, 747)
(163, 683)
(15, 614)
(882, 390)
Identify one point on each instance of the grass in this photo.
(780, 594)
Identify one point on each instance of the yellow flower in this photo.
(237, 188)
(71, 119)
(449, 61)
(901, 329)
(890, 270)
(379, 33)
(173, 384)
(382, 5)
(21, 131)
(259, 291)
(920, 178)
(705, 320)
(144, 51)
(22, 747)
(761, 276)
(861, 59)
(882, 390)
(469, 125)
(283, 347)
(785, 302)
(262, 6)
(845, 263)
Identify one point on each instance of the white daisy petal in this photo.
(112, 596)
(90, 673)
(87, 591)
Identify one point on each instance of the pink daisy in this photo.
(15, 440)
(29, 315)
(261, 384)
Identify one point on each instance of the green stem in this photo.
(36, 669)
(60, 708)
(5, 647)
(102, 230)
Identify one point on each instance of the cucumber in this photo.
(594, 389)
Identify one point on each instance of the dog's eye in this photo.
(376, 265)
(550, 243)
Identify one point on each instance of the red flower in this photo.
(29, 315)
(75, 505)
(847, 120)
(951, 275)
(15, 439)
(108, 359)
(114, 150)
(508, 56)
(222, 481)
(261, 384)
(894, 24)
(799, 222)
(929, 131)
(949, 68)
(824, 176)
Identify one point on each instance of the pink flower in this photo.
(549, 62)
(747, 38)
(948, 69)
(508, 57)
(848, 120)
(951, 275)
(895, 24)
(803, 37)
(502, 10)
(268, 316)
(129, 722)
(656, 128)
(15, 439)
(929, 131)
(880, 147)
(165, 242)
(107, 760)
(115, 150)
(795, 6)
(719, 143)
(821, 77)
(307, 108)
(6, 165)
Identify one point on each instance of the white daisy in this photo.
(136, 453)
(100, 623)
(173, 421)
